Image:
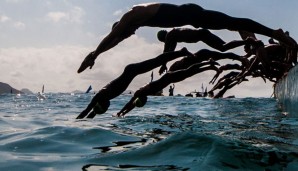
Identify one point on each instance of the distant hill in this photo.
(26, 91)
(77, 92)
(6, 88)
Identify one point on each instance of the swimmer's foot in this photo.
(88, 62)
(281, 36)
(163, 69)
(119, 115)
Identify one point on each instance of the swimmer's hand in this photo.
(88, 62)
(118, 115)
(163, 69)
(82, 114)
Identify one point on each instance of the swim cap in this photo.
(161, 35)
(101, 108)
(98, 109)
(115, 24)
(140, 101)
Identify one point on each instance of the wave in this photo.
(193, 151)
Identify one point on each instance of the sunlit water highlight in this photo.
(169, 133)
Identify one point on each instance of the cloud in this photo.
(4, 18)
(56, 68)
(31, 67)
(56, 16)
(73, 16)
(10, 22)
(16, 74)
(19, 25)
(76, 14)
(14, 1)
(118, 13)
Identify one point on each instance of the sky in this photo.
(44, 43)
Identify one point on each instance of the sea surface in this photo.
(169, 133)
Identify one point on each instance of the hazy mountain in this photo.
(6, 88)
(26, 91)
(77, 92)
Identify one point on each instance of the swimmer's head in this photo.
(140, 101)
(113, 26)
(161, 35)
(101, 107)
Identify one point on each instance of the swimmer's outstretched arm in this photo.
(91, 115)
(85, 112)
(215, 76)
(121, 31)
(128, 107)
(89, 61)
(224, 90)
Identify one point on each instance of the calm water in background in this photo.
(169, 133)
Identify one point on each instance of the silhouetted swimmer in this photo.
(187, 35)
(225, 68)
(119, 85)
(165, 80)
(224, 90)
(168, 16)
(205, 55)
(171, 90)
(222, 83)
(270, 61)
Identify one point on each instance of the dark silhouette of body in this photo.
(188, 35)
(168, 16)
(204, 55)
(119, 85)
(165, 80)
(171, 90)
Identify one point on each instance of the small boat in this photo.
(203, 93)
(41, 96)
(89, 89)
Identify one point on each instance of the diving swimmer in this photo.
(140, 96)
(101, 101)
(168, 15)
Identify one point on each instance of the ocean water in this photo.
(169, 133)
